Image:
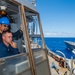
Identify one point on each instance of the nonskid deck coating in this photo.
(61, 69)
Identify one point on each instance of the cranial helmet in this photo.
(4, 20)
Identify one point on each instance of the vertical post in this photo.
(71, 66)
(44, 45)
(27, 41)
(64, 57)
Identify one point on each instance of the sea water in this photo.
(55, 44)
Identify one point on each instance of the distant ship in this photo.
(70, 45)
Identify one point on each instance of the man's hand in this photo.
(13, 44)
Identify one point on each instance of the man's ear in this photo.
(3, 37)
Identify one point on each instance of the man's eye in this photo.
(10, 37)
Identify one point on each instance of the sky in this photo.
(57, 17)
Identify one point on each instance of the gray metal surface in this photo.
(42, 68)
(28, 72)
(13, 65)
(27, 4)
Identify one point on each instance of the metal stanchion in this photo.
(72, 70)
(64, 57)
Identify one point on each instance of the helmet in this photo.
(4, 20)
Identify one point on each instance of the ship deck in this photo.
(61, 69)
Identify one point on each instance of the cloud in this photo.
(58, 34)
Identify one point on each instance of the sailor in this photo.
(7, 47)
(5, 25)
(55, 67)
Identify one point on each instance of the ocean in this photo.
(55, 44)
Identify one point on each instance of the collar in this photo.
(4, 45)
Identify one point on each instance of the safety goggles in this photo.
(4, 25)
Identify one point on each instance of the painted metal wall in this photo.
(27, 4)
(42, 68)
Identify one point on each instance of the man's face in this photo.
(7, 37)
(3, 27)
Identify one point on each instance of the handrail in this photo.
(8, 57)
